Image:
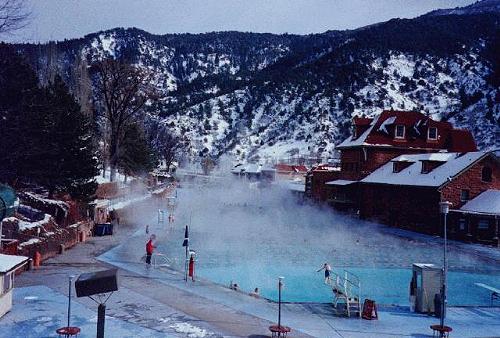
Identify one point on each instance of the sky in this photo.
(65, 19)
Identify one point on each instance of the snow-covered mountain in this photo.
(267, 96)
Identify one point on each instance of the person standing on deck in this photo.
(150, 248)
(328, 270)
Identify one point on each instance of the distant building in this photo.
(290, 171)
(316, 179)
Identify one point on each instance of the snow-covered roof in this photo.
(10, 262)
(298, 186)
(381, 131)
(101, 203)
(253, 168)
(413, 176)
(340, 182)
(438, 157)
(361, 140)
(248, 168)
(488, 202)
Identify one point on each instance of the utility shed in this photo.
(9, 264)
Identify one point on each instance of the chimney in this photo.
(361, 124)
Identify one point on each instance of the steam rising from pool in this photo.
(251, 234)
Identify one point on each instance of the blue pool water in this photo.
(251, 237)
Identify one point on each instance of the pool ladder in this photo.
(346, 290)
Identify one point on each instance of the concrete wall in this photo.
(5, 301)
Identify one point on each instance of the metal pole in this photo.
(69, 299)
(280, 286)
(101, 318)
(186, 265)
(445, 271)
(279, 304)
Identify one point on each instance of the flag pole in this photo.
(186, 266)
(186, 244)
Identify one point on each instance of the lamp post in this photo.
(444, 208)
(280, 286)
(70, 278)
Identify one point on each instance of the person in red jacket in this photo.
(150, 248)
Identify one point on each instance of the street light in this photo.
(280, 286)
(445, 209)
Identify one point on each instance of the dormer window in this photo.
(399, 132)
(398, 166)
(426, 168)
(432, 133)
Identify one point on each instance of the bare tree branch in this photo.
(123, 90)
(13, 15)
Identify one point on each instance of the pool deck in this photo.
(157, 303)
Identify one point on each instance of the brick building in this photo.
(478, 219)
(316, 180)
(374, 142)
(406, 191)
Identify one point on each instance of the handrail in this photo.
(164, 258)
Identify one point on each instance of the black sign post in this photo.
(101, 284)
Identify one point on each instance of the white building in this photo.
(8, 266)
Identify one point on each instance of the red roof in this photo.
(461, 141)
(362, 121)
(416, 127)
(290, 168)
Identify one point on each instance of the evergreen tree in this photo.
(18, 94)
(71, 143)
(136, 156)
(45, 137)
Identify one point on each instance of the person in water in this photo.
(255, 293)
(328, 270)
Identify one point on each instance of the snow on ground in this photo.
(127, 202)
(23, 225)
(29, 242)
(38, 311)
(191, 331)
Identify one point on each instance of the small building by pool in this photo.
(9, 264)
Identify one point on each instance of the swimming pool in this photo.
(252, 236)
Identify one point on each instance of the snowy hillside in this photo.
(268, 96)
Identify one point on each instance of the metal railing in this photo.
(160, 260)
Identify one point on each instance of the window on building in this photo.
(400, 131)
(464, 195)
(432, 133)
(462, 224)
(483, 224)
(486, 174)
(425, 167)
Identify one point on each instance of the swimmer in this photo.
(255, 293)
(328, 270)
